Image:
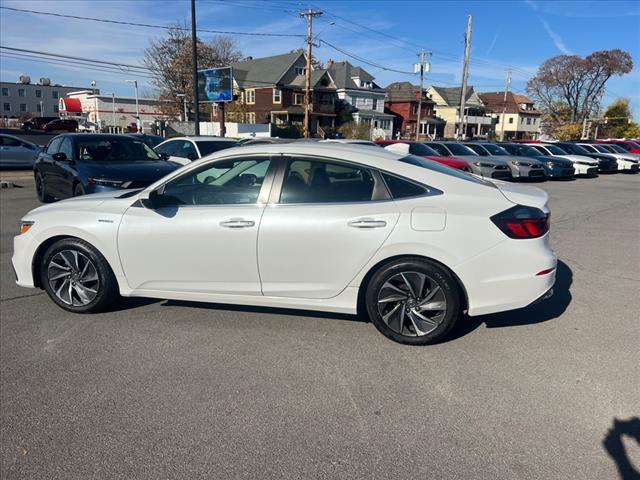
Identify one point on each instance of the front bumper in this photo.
(24, 249)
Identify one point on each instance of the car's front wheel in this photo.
(413, 301)
(78, 190)
(77, 277)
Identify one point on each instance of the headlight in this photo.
(106, 182)
(25, 226)
(550, 164)
(483, 164)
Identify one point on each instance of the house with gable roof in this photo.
(520, 119)
(447, 107)
(272, 90)
(356, 88)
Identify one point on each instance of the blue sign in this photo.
(215, 85)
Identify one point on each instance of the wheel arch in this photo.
(362, 289)
(42, 248)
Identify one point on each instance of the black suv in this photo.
(37, 123)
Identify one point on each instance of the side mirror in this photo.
(150, 199)
(192, 156)
(164, 156)
(59, 157)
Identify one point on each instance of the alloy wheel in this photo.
(73, 278)
(412, 303)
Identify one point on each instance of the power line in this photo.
(367, 62)
(140, 68)
(149, 25)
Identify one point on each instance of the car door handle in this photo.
(367, 223)
(237, 223)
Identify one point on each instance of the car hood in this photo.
(114, 201)
(514, 158)
(478, 158)
(630, 157)
(523, 195)
(135, 171)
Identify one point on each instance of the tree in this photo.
(170, 62)
(355, 130)
(618, 117)
(568, 87)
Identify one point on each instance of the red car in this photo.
(628, 145)
(61, 125)
(421, 150)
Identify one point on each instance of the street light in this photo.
(95, 102)
(184, 104)
(138, 122)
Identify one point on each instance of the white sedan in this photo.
(184, 150)
(626, 161)
(582, 165)
(311, 226)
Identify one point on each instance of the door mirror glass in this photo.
(59, 156)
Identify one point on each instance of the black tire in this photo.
(41, 189)
(105, 285)
(436, 275)
(78, 190)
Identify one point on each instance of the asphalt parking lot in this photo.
(163, 389)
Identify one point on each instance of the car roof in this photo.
(204, 138)
(97, 136)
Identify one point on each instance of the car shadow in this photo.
(612, 443)
(129, 303)
(540, 312)
(257, 309)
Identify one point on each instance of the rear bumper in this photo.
(506, 276)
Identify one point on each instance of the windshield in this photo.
(495, 149)
(600, 148)
(521, 150)
(555, 150)
(575, 149)
(422, 150)
(114, 150)
(210, 147)
(478, 149)
(458, 149)
(438, 167)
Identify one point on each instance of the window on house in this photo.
(38, 93)
(56, 109)
(510, 119)
(23, 107)
(301, 70)
(528, 121)
(5, 92)
(298, 98)
(534, 121)
(6, 107)
(39, 107)
(414, 109)
(54, 94)
(250, 95)
(21, 92)
(375, 104)
(385, 124)
(277, 95)
(251, 117)
(522, 121)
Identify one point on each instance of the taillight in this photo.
(522, 222)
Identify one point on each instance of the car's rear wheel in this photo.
(413, 301)
(41, 190)
(78, 190)
(77, 277)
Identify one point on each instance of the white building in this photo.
(109, 110)
(356, 87)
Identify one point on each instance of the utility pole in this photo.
(422, 67)
(194, 51)
(138, 121)
(309, 14)
(504, 105)
(465, 76)
(113, 111)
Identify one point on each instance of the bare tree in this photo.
(170, 61)
(568, 87)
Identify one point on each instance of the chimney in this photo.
(329, 63)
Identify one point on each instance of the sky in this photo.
(506, 34)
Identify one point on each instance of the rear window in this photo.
(422, 150)
(207, 148)
(438, 167)
(495, 149)
(555, 150)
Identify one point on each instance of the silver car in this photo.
(488, 167)
(525, 169)
(17, 153)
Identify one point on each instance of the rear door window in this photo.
(320, 181)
